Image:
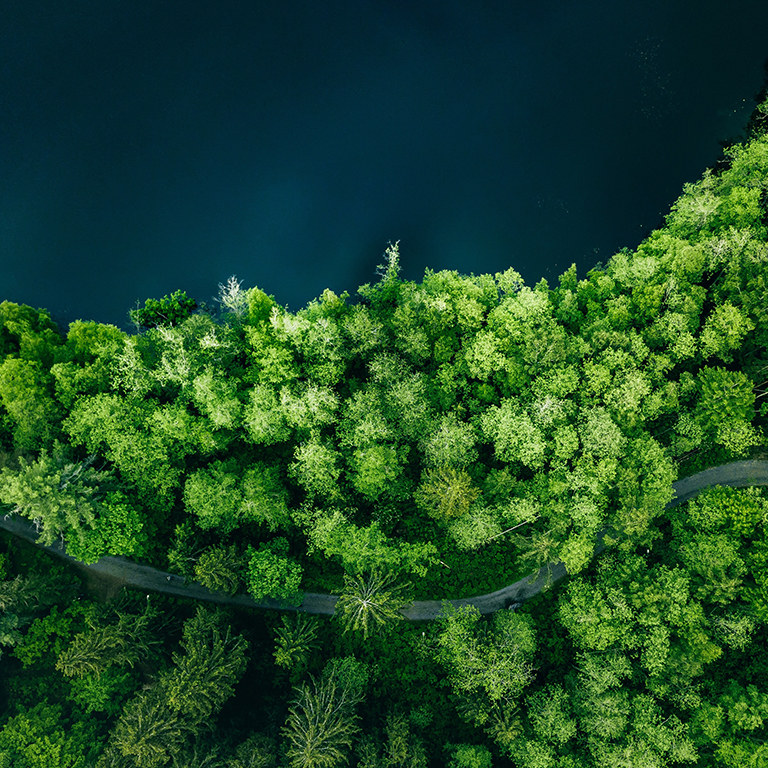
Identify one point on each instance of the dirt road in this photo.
(738, 474)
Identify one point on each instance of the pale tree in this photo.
(370, 602)
(232, 297)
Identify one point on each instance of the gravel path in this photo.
(737, 474)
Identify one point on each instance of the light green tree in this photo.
(272, 574)
(492, 659)
(446, 493)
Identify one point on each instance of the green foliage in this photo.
(272, 574)
(725, 408)
(446, 493)
(60, 497)
(119, 531)
(219, 569)
(322, 721)
(494, 660)
(26, 395)
(371, 601)
(469, 756)
(365, 548)
(204, 677)
(148, 733)
(168, 311)
(257, 751)
(97, 649)
(644, 612)
(47, 636)
(40, 737)
(295, 639)
(105, 693)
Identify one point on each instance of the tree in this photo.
(40, 738)
(370, 602)
(94, 651)
(726, 408)
(724, 331)
(219, 568)
(26, 390)
(105, 693)
(168, 311)
(363, 548)
(149, 733)
(468, 756)
(514, 435)
(272, 574)
(120, 530)
(295, 640)
(316, 469)
(204, 677)
(492, 659)
(322, 721)
(214, 496)
(257, 751)
(60, 497)
(446, 493)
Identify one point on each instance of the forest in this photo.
(419, 441)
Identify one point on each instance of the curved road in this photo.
(738, 474)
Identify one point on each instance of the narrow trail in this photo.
(737, 474)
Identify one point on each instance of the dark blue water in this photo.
(150, 146)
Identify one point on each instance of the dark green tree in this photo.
(322, 721)
(168, 311)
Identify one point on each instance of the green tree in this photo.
(272, 574)
(106, 693)
(41, 737)
(26, 394)
(726, 408)
(60, 497)
(316, 469)
(724, 332)
(219, 568)
(214, 495)
(468, 756)
(371, 601)
(170, 310)
(257, 751)
(92, 652)
(446, 493)
(204, 677)
(322, 721)
(149, 733)
(295, 639)
(491, 659)
(120, 530)
(363, 548)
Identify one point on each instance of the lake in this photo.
(152, 146)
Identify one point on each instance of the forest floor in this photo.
(106, 578)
